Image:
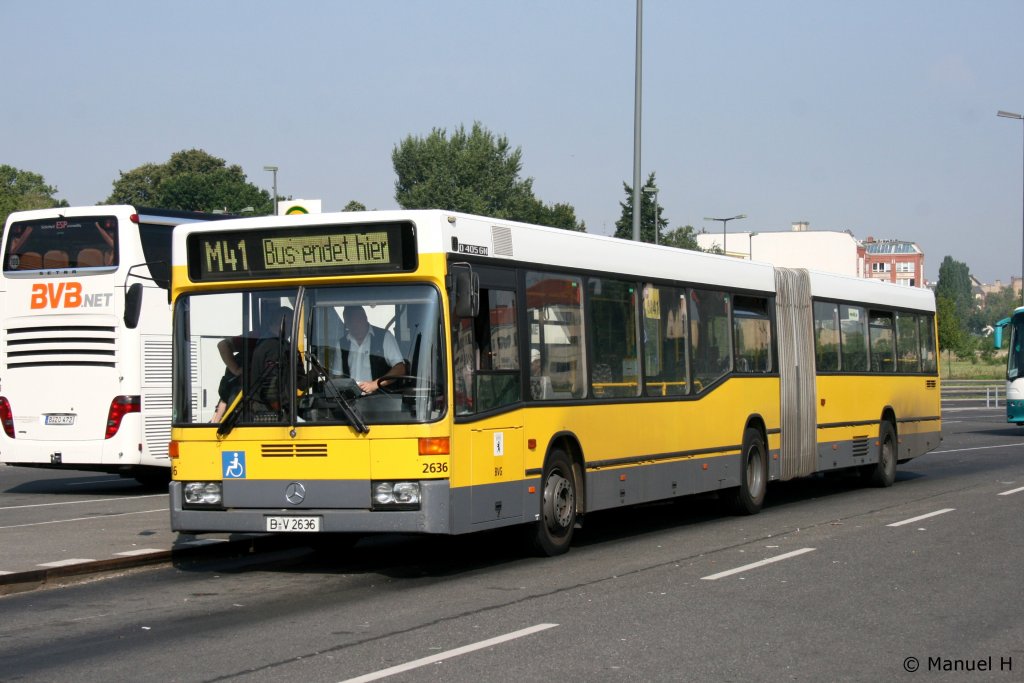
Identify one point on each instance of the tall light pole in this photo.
(637, 91)
(273, 169)
(654, 191)
(725, 222)
(750, 245)
(1011, 115)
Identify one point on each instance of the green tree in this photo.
(353, 205)
(952, 334)
(624, 226)
(23, 191)
(682, 238)
(191, 180)
(994, 307)
(473, 172)
(955, 285)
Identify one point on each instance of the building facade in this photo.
(893, 261)
(831, 251)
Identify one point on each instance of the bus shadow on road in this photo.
(85, 485)
(410, 557)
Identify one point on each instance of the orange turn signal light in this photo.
(435, 445)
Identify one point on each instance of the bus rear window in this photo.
(61, 243)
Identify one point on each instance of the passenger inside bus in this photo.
(267, 377)
(108, 240)
(237, 352)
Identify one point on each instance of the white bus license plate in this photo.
(60, 419)
(293, 523)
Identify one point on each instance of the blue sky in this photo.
(875, 116)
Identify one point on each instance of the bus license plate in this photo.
(60, 419)
(293, 523)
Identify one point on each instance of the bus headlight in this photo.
(203, 493)
(396, 495)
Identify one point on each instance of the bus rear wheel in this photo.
(883, 473)
(552, 533)
(749, 497)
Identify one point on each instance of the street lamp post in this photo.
(637, 101)
(273, 169)
(725, 222)
(750, 245)
(1019, 117)
(654, 191)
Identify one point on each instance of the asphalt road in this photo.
(58, 523)
(832, 581)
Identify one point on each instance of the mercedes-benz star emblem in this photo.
(295, 493)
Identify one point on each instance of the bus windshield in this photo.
(1015, 357)
(363, 355)
(61, 243)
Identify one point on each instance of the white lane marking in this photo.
(94, 482)
(2, 573)
(465, 649)
(1012, 491)
(84, 519)
(140, 551)
(65, 563)
(755, 565)
(920, 517)
(82, 502)
(976, 448)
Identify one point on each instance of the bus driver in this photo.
(369, 355)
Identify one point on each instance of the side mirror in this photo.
(133, 305)
(466, 293)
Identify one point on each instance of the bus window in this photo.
(883, 348)
(711, 338)
(752, 337)
(555, 318)
(665, 353)
(853, 336)
(612, 308)
(405, 330)
(926, 325)
(907, 344)
(826, 336)
(486, 355)
(61, 242)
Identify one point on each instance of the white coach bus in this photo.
(85, 356)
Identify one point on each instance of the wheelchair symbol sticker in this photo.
(233, 464)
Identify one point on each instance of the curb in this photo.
(19, 582)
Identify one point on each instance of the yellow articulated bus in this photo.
(435, 372)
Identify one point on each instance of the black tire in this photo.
(748, 498)
(883, 473)
(552, 533)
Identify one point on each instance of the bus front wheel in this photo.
(552, 533)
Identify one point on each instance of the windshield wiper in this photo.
(338, 396)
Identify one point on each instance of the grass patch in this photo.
(965, 369)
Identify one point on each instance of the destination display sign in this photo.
(316, 251)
